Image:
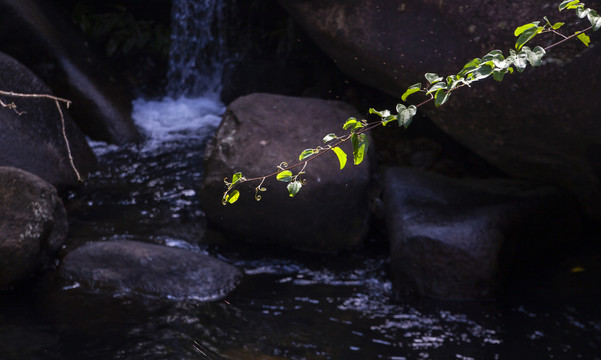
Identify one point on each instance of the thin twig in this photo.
(57, 101)
(60, 111)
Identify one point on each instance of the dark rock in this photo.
(257, 133)
(460, 238)
(45, 39)
(33, 141)
(140, 268)
(33, 225)
(528, 126)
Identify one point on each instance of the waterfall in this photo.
(197, 48)
(192, 109)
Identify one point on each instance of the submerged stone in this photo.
(132, 267)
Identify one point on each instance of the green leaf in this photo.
(555, 26)
(469, 67)
(584, 38)
(441, 97)
(237, 177)
(388, 119)
(499, 74)
(294, 187)
(594, 19)
(306, 153)
(527, 34)
(501, 63)
(436, 87)
(285, 176)
(341, 156)
(568, 4)
(360, 143)
(406, 114)
(433, 78)
(520, 60)
(351, 123)
(483, 71)
(523, 28)
(329, 137)
(410, 90)
(582, 12)
(382, 114)
(534, 56)
(232, 196)
(493, 55)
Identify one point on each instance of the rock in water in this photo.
(461, 238)
(33, 225)
(260, 131)
(132, 267)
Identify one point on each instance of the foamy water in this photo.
(170, 119)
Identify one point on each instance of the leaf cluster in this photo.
(493, 64)
(438, 89)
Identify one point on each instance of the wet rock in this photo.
(528, 125)
(33, 225)
(33, 141)
(460, 238)
(258, 132)
(127, 267)
(44, 38)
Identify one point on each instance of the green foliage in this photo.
(360, 145)
(341, 156)
(231, 195)
(294, 187)
(119, 32)
(306, 154)
(285, 176)
(438, 89)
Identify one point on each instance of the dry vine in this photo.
(57, 101)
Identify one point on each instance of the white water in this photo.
(173, 119)
(197, 48)
(191, 108)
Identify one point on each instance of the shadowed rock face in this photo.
(258, 133)
(33, 141)
(460, 239)
(132, 267)
(541, 125)
(44, 39)
(33, 225)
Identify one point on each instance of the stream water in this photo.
(288, 306)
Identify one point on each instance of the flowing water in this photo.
(288, 306)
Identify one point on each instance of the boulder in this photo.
(260, 131)
(133, 267)
(461, 238)
(33, 140)
(33, 225)
(44, 38)
(528, 126)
